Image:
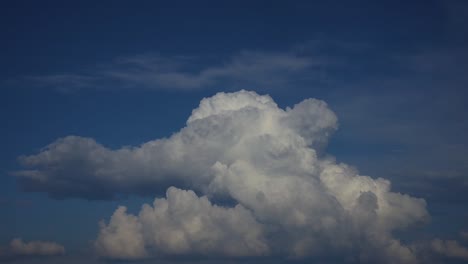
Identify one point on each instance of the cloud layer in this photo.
(290, 198)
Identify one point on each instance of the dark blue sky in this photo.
(394, 72)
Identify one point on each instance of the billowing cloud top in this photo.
(291, 199)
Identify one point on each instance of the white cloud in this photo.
(182, 224)
(18, 247)
(291, 198)
(122, 238)
(223, 128)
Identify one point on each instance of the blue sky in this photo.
(394, 73)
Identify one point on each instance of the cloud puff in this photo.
(192, 225)
(291, 199)
(449, 248)
(18, 248)
(440, 251)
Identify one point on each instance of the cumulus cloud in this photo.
(191, 225)
(223, 128)
(19, 248)
(288, 196)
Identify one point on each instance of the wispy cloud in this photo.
(152, 71)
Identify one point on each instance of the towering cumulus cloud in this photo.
(290, 198)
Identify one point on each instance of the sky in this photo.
(234, 132)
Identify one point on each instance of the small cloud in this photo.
(464, 235)
(19, 248)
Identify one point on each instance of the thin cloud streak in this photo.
(156, 72)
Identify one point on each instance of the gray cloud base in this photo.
(292, 199)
